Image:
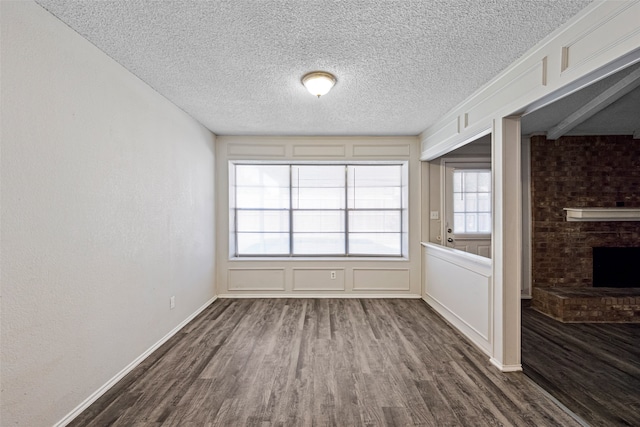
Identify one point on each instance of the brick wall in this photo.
(594, 171)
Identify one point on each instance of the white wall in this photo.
(311, 277)
(107, 204)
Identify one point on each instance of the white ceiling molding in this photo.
(538, 73)
(596, 105)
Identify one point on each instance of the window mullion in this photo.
(235, 212)
(346, 210)
(402, 207)
(291, 210)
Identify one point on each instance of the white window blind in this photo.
(318, 209)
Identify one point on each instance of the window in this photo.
(472, 201)
(320, 209)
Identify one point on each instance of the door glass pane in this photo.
(470, 182)
(458, 223)
(484, 202)
(484, 182)
(472, 203)
(471, 223)
(484, 223)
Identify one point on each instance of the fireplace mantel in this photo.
(603, 214)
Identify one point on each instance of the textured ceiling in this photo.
(235, 65)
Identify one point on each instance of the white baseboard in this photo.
(102, 390)
(506, 368)
(463, 327)
(323, 295)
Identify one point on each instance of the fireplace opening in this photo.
(616, 267)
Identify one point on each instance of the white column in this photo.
(507, 243)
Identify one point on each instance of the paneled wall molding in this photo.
(459, 286)
(308, 276)
(318, 147)
(371, 295)
(597, 42)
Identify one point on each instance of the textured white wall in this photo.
(107, 209)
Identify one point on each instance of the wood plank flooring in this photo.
(321, 362)
(592, 368)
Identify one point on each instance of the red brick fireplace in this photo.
(582, 172)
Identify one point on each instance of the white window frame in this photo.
(404, 232)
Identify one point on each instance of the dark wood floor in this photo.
(592, 368)
(321, 362)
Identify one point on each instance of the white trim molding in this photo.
(599, 41)
(314, 295)
(505, 368)
(459, 286)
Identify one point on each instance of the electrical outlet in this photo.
(333, 275)
(435, 215)
(172, 302)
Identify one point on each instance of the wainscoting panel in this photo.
(381, 279)
(320, 151)
(386, 151)
(318, 279)
(620, 26)
(264, 150)
(254, 279)
(458, 286)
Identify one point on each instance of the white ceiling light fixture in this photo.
(318, 83)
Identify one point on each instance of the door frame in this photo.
(445, 164)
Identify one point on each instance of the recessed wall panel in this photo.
(318, 279)
(389, 151)
(256, 150)
(381, 279)
(271, 279)
(319, 151)
(620, 27)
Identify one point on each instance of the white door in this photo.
(467, 206)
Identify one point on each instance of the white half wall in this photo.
(311, 277)
(459, 286)
(107, 210)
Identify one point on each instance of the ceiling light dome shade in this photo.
(318, 83)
